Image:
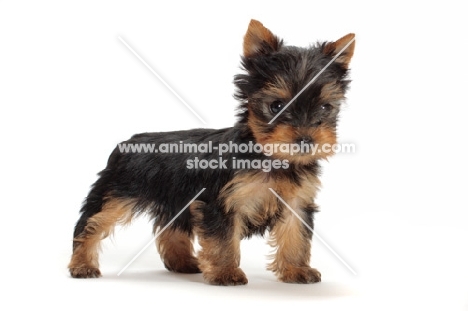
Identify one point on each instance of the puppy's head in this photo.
(287, 98)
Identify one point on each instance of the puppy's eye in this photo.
(326, 107)
(276, 106)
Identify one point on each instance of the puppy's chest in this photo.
(251, 196)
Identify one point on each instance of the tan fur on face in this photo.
(331, 92)
(282, 134)
(323, 136)
(280, 89)
(84, 262)
(287, 134)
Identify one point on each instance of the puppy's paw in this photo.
(85, 272)
(230, 276)
(188, 265)
(301, 275)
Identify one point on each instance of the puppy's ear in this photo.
(259, 40)
(347, 43)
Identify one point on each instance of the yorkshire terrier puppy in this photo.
(238, 200)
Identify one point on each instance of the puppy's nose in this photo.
(304, 140)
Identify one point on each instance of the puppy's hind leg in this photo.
(89, 232)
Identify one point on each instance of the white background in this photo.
(395, 210)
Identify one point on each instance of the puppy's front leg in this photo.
(219, 236)
(292, 241)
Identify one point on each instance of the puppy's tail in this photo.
(93, 203)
